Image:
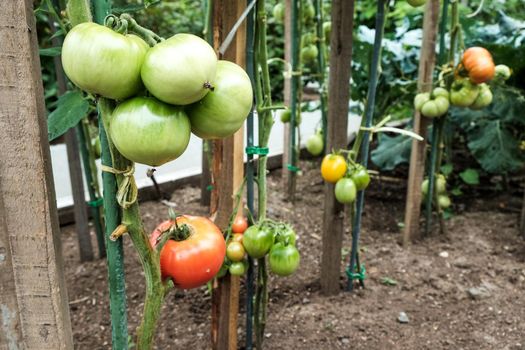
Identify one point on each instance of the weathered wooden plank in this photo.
(418, 155)
(227, 177)
(33, 298)
(338, 97)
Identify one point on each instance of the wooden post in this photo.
(340, 58)
(227, 177)
(287, 88)
(34, 312)
(522, 217)
(417, 157)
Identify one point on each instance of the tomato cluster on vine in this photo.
(468, 85)
(348, 176)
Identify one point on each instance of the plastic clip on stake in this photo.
(96, 203)
(260, 151)
(356, 275)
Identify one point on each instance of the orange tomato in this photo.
(195, 260)
(479, 64)
(333, 167)
(240, 224)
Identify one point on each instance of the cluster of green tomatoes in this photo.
(469, 87)
(443, 200)
(275, 239)
(348, 176)
(163, 92)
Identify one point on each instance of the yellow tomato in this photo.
(333, 167)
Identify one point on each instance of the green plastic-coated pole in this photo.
(369, 112)
(437, 127)
(115, 252)
(321, 45)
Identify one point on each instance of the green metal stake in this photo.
(437, 130)
(321, 45)
(115, 252)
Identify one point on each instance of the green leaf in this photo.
(446, 169)
(388, 281)
(470, 176)
(50, 51)
(456, 191)
(392, 151)
(72, 107)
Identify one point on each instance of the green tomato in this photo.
(439, 91)
(148, 131)
(237, 268)
(417, 3)
(180, 70)
(436, 107)
(327, 30)
(314, 144)
(308, 39)
(287, 236)
(309, 53)
(103, 62)
(235, 251)
(420, 100)
(502, 72)
(308, 12)
(286, 115)
(284, 259)
(345, 190)
(440, 185)
(444, 201)
(223, 111)
(361, 178)
(484, 98)
(257, 241)
(463, 92)
(278, 12)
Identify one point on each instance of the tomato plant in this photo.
(333, 167)
(148, 131)
(257, 241)
(196, 254)
(180, 70)
(224, 109)
(103, 62)
(284, 259)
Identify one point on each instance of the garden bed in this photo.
(462, 291)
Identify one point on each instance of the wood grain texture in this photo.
(227, 178)
(338, 97)
(33, 300)
(419, 148)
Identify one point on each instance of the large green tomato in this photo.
(484, 98)
(284, 259)
(257, 241)
(463, 92)
(278, 12)
(148, 131)
(420, 100)
(180, 70)
(223, 111)
(435, 107)
(103, 62)
(416, 3)
(345, 190)
(309, 53)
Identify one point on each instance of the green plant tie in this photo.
(127, 191)
(292, 168)
(261, 151)
(356, 275)
(95, 203)
(209, 187)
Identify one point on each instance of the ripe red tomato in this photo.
(240, 224)
(195, 260)
(479, 64)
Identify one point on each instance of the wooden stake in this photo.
(34, 313)
(227, 177)
(522, 217)
(340, 58)
(418, 155)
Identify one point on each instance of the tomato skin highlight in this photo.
(148, 131)
(197, 259)
(103, 62)
(333, 167)
(177, 70)
(223, 111)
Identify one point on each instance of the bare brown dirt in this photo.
(482, 250)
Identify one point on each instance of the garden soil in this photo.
(462, 290)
